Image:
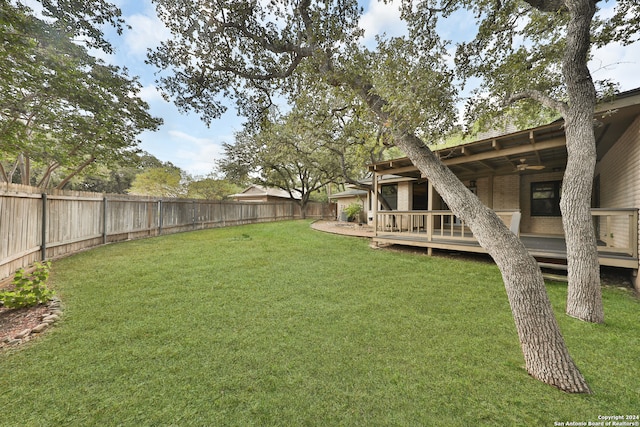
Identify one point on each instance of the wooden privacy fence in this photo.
(35, 226)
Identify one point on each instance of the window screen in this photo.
(545, 198)
(390, 194)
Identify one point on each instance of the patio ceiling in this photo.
(541, 146)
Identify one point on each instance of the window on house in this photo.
(390, 194)
(420, 196)
(545, 198)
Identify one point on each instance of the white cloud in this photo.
(195, 155)
(147, 31)
(381, 18)
(151, 94)
(619, 63)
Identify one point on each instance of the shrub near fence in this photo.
(35, 226)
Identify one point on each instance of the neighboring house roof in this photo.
(255, 191)
(540, 146)
(352, 192)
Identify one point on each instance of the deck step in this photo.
(555, 277)
(553, 266)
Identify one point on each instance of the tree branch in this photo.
(75, 172)
(3, 174)
(297, 59)
(303, 10)
(44, 182)
(547, 5)
(542, 98)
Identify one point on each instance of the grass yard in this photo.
(280, 325)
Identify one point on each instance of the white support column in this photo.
(374, 205)
(430, 217)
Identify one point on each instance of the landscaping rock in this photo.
(41, 327)
(22, 334)
(20, 328)
(51, 318)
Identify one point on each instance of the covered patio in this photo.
(519, 175)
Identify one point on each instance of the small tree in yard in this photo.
(247, 49)
(165, 181)
(283, 154)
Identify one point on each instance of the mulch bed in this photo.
(15, 320)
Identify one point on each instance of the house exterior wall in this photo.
(619, 172)
(545, 225)
(343, 202)
(506, 192)
(252, 198)
(483, 190)
(369, 208)
(260, 198)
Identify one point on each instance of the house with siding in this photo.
(259, 193)
(349, 197)
(519, 175)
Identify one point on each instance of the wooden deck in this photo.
(549, 250)
(428, 229)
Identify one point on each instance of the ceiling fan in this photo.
(524, 166)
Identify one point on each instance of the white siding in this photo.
(620, 177)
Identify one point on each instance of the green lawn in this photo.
(277, 324)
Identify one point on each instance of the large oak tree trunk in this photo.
(584, 299)
(545, 352)
(546, 355)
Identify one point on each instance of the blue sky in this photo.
(188, 143)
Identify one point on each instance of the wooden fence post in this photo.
(43, 247)
(159, 216)
(104, 220)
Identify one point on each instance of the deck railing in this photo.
(429, 224)
(616, 229)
